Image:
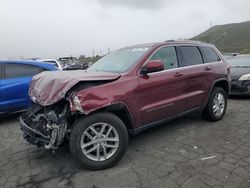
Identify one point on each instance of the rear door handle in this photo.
(178, 74)
(208, 68)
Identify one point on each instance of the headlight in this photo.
(33, 99)
(77, 104)
(245, 77)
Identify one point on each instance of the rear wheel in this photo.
(98, 141)
(217, 105)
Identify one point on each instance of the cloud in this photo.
(60, 27)
(136, 4)
(240, 6)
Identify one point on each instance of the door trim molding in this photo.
(149, 125)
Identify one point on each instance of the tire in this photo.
(83, 133)
(209, 111)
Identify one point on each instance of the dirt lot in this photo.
(188, 152)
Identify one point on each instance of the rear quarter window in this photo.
(191, 55)
(209, 55)
(21, 70)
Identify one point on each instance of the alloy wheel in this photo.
(218, 104)
(99, 141)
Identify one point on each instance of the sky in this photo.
(56, 28)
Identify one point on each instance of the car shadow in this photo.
(238, 97)
(9, 117)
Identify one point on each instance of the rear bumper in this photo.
(240, 87)
(31, 135)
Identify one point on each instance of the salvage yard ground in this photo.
(188, 152)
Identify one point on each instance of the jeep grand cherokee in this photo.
(126, 91)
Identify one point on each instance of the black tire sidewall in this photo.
(217, 90)
(82, 125)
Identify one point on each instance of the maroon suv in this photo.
(126, 91)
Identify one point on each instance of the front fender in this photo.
(88, 102)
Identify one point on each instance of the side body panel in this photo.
(120, 91)
(199, 79)
(160, 95)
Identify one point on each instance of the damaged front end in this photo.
(49, 121)
(45, 126)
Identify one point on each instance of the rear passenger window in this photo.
(209, 55)
(191, 55)
(19, 70)
(168, 57)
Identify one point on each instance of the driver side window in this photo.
(168, 57)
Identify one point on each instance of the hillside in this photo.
(228, 38)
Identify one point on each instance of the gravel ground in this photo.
(187, 152)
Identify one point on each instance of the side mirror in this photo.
(152, 66)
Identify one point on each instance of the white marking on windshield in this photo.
(139, 49)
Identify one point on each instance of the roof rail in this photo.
(170, 40)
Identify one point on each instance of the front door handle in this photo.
(208, 68)
(178, 74)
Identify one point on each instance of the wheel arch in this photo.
(223, 83)
(121, 110)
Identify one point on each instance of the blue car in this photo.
(15, 77)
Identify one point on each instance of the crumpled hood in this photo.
(49, 87)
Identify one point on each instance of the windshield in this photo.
(239, 61)
(119, 60)
(52, 62)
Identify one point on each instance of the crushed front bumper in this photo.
(31, 135)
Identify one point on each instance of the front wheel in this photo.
(98, 141)
(217, 105)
